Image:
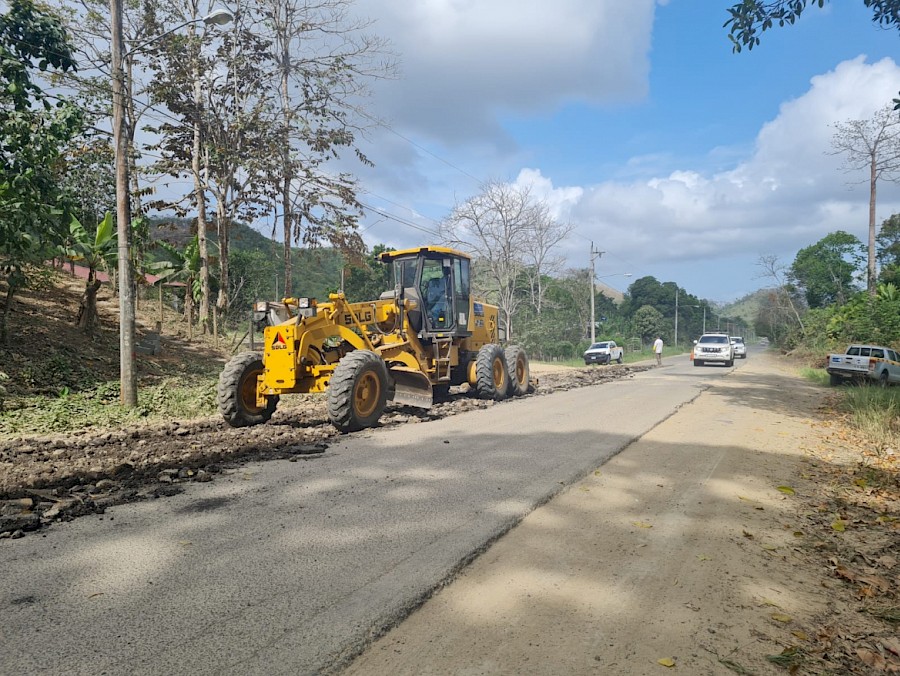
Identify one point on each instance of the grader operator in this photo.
(415, 341)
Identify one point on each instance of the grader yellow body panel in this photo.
(427, 334)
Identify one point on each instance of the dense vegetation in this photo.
(820, 302)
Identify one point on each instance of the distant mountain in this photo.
(315, 272)
(746, 308)
(179, 231)
(614, 295)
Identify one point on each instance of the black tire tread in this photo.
(484, 373)
(228, 392)
(340, 390)
(512, 354)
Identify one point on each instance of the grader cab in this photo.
(417, 340)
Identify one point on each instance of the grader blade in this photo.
(411, 388)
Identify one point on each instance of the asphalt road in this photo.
(292, 568)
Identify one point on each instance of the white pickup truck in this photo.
(875, 362)
(603, 352)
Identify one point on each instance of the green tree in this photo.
(370, 279)
(827, 270)
(750, 18)
(648, 291)
(648, 322)
(888, 249)
(33, 132)
(253, 277)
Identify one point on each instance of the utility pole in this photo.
(127, 371)
(594, 256)
(676, 316)
(127, 382)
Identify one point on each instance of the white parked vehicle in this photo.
(714, 348)
(873, 362)
(740, 349)
(604, 352)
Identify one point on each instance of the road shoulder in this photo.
(676, 551)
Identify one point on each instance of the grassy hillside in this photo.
(746, 308)
(316, 272)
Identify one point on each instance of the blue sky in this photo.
(635, 122)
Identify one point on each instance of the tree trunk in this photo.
(871, 270)
(200, 201)
(286, 208)
(223, 226)
(10, 292)
(87, 318)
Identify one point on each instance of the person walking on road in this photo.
(657, 348)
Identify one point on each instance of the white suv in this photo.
(740, 349)
(714, 347)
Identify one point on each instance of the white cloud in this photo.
(466, 61)
(472, 66)
(787, 194)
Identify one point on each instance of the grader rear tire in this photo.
(357, 393)
(517, 369)
(491, 377)
(236, 392)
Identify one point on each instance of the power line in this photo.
(422, 148)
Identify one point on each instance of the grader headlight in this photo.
(306, 307)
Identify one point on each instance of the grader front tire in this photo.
(517, 369)
(236, 392)
(491, 377)
(357, 393)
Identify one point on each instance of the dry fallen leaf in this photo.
(666, 662)
(893, 645)
(787, 490)
(801, 635)
(641, 524)
(887, 561)
(780, 617)
(872, 659)
(839, 525)
(846, 573)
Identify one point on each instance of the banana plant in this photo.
(95, 251)
(179, 265)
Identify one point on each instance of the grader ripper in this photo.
(415, 341)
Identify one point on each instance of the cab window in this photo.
(461, 290)
(435, 290)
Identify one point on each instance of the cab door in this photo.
(436, 290)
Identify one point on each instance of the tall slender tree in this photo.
(871, 145)
(323, 58)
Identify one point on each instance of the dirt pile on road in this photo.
(45, 479)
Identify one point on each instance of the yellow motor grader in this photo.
(415, 341)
